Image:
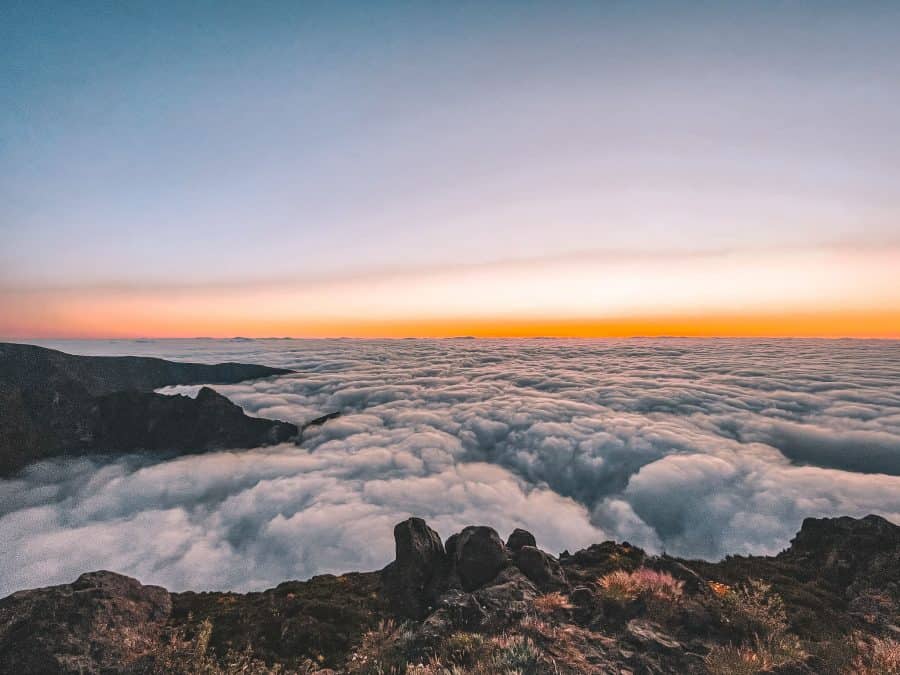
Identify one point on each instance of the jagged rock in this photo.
(319, 421)
(543, 569)
(520, 538)
(478, 554)
(132, 421)
(846, 550)
(411, 581)
(94, 625)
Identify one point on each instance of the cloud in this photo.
(699, 448)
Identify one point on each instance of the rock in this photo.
(478, 555)
(582, 596)
(543, 569)
(450, 545)
(649, 636)
(54, 404)
(319, 421)
(584, 604)
(462, 609)
(137, 421)
(412, 580)
(520, 538)
(508, 597)
(845, 551)
(97, 624)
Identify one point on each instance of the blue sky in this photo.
(210, 142)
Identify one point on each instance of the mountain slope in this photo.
(52, 404)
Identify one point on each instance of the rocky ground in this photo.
(830, 603)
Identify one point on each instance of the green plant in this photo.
(378, 652)
(749, 659)
(753, 608)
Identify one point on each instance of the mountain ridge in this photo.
(56, 404)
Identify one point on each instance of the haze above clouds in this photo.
(696, 447)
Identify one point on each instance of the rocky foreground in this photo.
(830, 603)
(54, 404)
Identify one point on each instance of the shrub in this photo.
(551, 602)
(515, 654)
(878, 656)
(754, 609)
(179, 655)
(642, 583)
(659, 591)
(378, 652)
(462, 649)
(749, 659)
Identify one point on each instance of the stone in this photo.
(543, 569)
(520, 538)
(91, 626)
(649, 636)
(478, 556)
(411, 580)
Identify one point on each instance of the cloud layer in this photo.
(699, 448)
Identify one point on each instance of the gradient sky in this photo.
(216, 168)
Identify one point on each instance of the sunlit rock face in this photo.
(696, 447)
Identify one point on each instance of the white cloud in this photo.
(700, 448)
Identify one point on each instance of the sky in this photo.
(485, 168)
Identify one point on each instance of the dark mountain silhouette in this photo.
(53, 404)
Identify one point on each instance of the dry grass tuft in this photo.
(551, 602)
(181, 656)
(643, 583)
(878, 656)
(749, 659)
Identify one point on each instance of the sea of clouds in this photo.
(696, 447)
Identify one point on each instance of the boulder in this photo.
(543, 569)
(508, 597)
(478, 556)
(520, 538)
(412, 580)
(97, 624)
(462, 609)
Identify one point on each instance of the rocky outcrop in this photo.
(478, 554)
(520, 538)
(132, 421)
(54, 404)
(517, 611)
(844, 550)
(413, 580)
(29, 366)
(543, 569)
(101, 623)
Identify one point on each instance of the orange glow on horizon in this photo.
(794, 293)
(851, 324)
